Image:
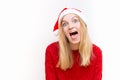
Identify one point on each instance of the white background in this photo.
(26, 29)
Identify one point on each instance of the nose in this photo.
(71, 25)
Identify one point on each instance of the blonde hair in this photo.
(65, 53)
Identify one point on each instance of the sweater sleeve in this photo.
(98, 65)
(50, 73)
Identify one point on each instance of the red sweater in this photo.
(77, 72)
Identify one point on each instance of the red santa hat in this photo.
(63, 13)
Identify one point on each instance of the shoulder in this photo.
(96, 48)
(53, 46)
(52, 49)
(97, 51)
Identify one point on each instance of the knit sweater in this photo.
(77, 72)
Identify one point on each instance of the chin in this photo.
(75, 42)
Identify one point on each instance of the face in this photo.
(71, 28)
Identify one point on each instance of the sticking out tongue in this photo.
(73, 34)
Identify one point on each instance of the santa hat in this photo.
(63, 13)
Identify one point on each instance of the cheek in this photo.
(65, 31)
(78, 26)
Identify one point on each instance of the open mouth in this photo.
(73, 33)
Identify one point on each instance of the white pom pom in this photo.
(56, 32)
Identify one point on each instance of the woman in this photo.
(73, 56)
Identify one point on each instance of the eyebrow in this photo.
(75, 16)
(71, 18)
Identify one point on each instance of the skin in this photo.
(71, 28)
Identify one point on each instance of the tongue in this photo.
(74, 36)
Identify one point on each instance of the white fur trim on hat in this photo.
(72, 10)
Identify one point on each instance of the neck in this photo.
(74, 46)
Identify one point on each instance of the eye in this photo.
(75, 20)
(64, 24)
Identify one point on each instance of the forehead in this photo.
(69, 16)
